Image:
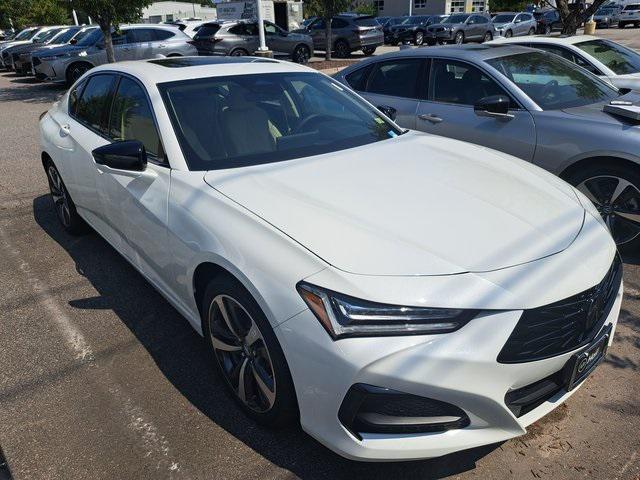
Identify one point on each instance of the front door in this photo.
(276, 39)
(123, 49)
(318, 34)
(135, 203)
(454, 88)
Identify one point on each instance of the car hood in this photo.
(13, 44)
(594, 111)
(414, 205)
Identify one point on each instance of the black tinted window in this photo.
(139, 35)
(131, 117)
(358, 79)
(395, 77)
(366, 22)
(459, 82)
(339, 23)
(95, 101)
(207, 30)
(73, 97)
(162, 34)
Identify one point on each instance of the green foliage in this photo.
(365, 9)
(508, 5)
(33, 12)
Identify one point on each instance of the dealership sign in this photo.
(244, 10)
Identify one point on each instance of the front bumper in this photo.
(439, 35)
(49, 71)
(459, 368)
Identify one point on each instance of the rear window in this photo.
(366, 22)
(207, 30)
(633, 7)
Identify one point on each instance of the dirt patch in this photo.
(337, 64)
(550, 420)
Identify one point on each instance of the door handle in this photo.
(162, 45)
(430, 117)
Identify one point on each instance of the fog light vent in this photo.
(370, 409)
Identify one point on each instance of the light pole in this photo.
(263, 50)
(410, 7)
(73, 11)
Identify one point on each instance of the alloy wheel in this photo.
(618, 201)
(242, 353)
(459, 39)
(342, 49)
(301, 54)
(238, 53)
(59, 196)
(419, 40)
(487, 37)
(509, 34)
(77, 71)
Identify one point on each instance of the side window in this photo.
(398, 78)
(270, 28)
(73, 97)
(140, 35)
(132, 119)
(358, 79)
(457, 82)
(339, 23)
(251, 29)
(237, 29)
(95, 101)
(481, 20)
(318, 24)
(119, 38)
(162, 35)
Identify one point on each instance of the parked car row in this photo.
(398, 295)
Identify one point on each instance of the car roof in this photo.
(468, 51)
(162, 70)
(559, 40)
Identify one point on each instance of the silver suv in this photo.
(630, 15)
(132, 42)
(240, 37)
(513, 24)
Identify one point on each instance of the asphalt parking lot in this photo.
(101, 378)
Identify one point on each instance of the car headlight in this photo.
(345, 316)
(589, 207)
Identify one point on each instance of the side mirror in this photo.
(73, 41)
(495, 106)
(127, 155)
(388, 111)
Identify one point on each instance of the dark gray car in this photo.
(461, 28)
(240, 37)
(348, 34)
(524, 102)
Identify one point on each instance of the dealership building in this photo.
(396, 8)
(170, 11)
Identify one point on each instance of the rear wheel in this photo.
(418, 38)
(63, 205)
(247, 354)
(301, 54)
(368, 50)
(341, 49)
(615, 191)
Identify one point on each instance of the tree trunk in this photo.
(328, 42)
(108, 42)
(572, 19)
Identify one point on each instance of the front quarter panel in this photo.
(205, 226)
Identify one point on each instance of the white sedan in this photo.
(617, 64)
(401, 295)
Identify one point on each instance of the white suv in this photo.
(630, 15)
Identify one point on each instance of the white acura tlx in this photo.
(401, 295)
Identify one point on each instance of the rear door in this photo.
(123, 49)
(394, 83)
(141, 41)
(454, 88)
(276, 39)
(317, 32)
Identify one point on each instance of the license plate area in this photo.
(582, 363)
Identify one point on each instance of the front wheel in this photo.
(508, 34)
(341, 49)
(532, 31)
(301, 54)
(247, 354)
(459, 38)
(76, 70)
(487, 37)
(615, 191)
(418, 39)
(368, 50)
(547, 30)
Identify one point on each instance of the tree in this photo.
(575, 14)
(21, 13)
(109, 14)
(328, 9)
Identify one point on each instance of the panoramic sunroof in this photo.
(180, 62)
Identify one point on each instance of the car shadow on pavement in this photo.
(180, 354)
(30, 90)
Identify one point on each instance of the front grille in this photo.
(525, 399)
(565, 325)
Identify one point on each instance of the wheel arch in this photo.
(599, 160)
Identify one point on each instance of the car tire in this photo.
(547, 30)
(621, 24)
(341, 49)
(418, 38)
(604, 180)
(247, 353)
(63, 205)
(239, 52)
(487, 37)
(459, 38)
(368, 51)
(532, 31)
(301, 54)
(76, 70)
(508, 34)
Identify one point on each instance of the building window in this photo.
(419, 3)
(379, 5)
(478, 6)
(457, 6)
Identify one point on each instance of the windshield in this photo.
(503, 18)
(457, 18)
(413, 20)
(91, 39)
(366, 22)
(64, 36)
(605, 11)
(552, 82)
(632, 7)
(292, 115)
(618, 58)
(44, 36)
(82, 34)
(25, 34)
